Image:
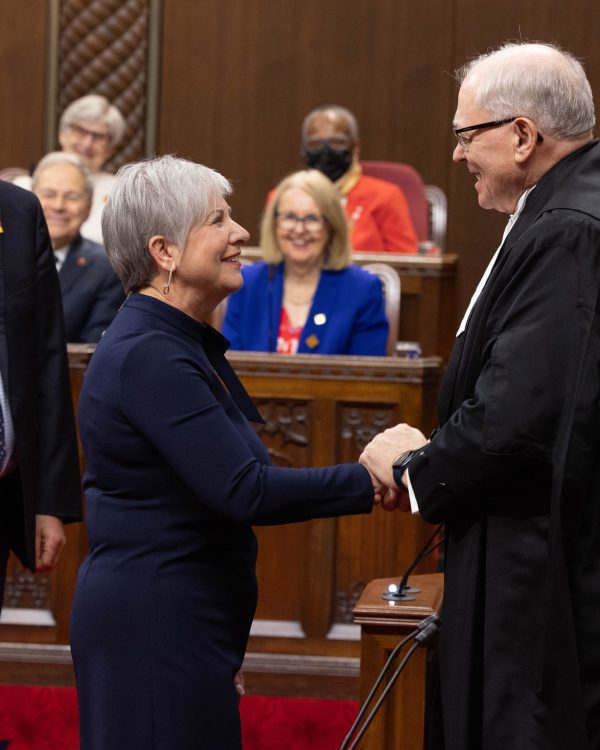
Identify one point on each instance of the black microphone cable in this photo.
(422, 634)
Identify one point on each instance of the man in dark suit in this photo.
(514, 469)
(91, 291)
(39, 473)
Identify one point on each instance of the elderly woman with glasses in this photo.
(90, 128)
(175, 477)
(306, 297)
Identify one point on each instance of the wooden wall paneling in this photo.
(238, 78)
(22, 81)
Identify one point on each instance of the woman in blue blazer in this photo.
(305, 297)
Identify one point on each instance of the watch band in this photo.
(402, 464)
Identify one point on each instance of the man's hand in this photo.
(238, 682)
(387, 448)
(49, 540)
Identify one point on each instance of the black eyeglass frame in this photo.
(491, 124)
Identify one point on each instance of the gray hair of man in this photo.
(535, 80)
(341, 112)
(96, 108)
(60, 157)
(165, 196)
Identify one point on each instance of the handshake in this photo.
(380, 455)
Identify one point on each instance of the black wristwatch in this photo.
(402, 465)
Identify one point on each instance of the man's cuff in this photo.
(414, 506)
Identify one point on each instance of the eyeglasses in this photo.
(82, 133)
(337, 142)
(464, 143)
(72, 198)
(288, 220)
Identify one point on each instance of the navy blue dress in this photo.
(175, 476)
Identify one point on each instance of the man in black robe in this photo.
(514, 468)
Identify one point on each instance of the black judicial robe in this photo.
(514, 472)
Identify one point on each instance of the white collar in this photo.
(60, 256)
(510, 224)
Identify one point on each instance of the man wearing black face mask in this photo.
(377, 210)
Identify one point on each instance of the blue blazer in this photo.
(91, 291)
(347, 315)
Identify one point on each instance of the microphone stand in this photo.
(403, 592)
(422, 634)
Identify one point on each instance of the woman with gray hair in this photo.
(90, 128)
(175, 476)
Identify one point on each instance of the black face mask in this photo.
(332, 162)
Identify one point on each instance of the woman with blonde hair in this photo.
(305, 296)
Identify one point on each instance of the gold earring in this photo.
(167, 284)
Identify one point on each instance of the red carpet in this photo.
(44, 718)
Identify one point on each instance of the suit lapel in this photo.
(321, 313)
(275, 300)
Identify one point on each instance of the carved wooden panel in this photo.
(286, 432)
(25, 590)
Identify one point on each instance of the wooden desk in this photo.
(400, 722)
(428, 296)
(319, 411)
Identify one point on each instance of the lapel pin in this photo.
(312, 341)
(320, 319)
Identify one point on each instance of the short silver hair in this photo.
(97, 108)
(341, 112)
(535, 80)
(164, 196)
(60, 157)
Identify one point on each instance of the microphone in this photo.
(402, 592)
